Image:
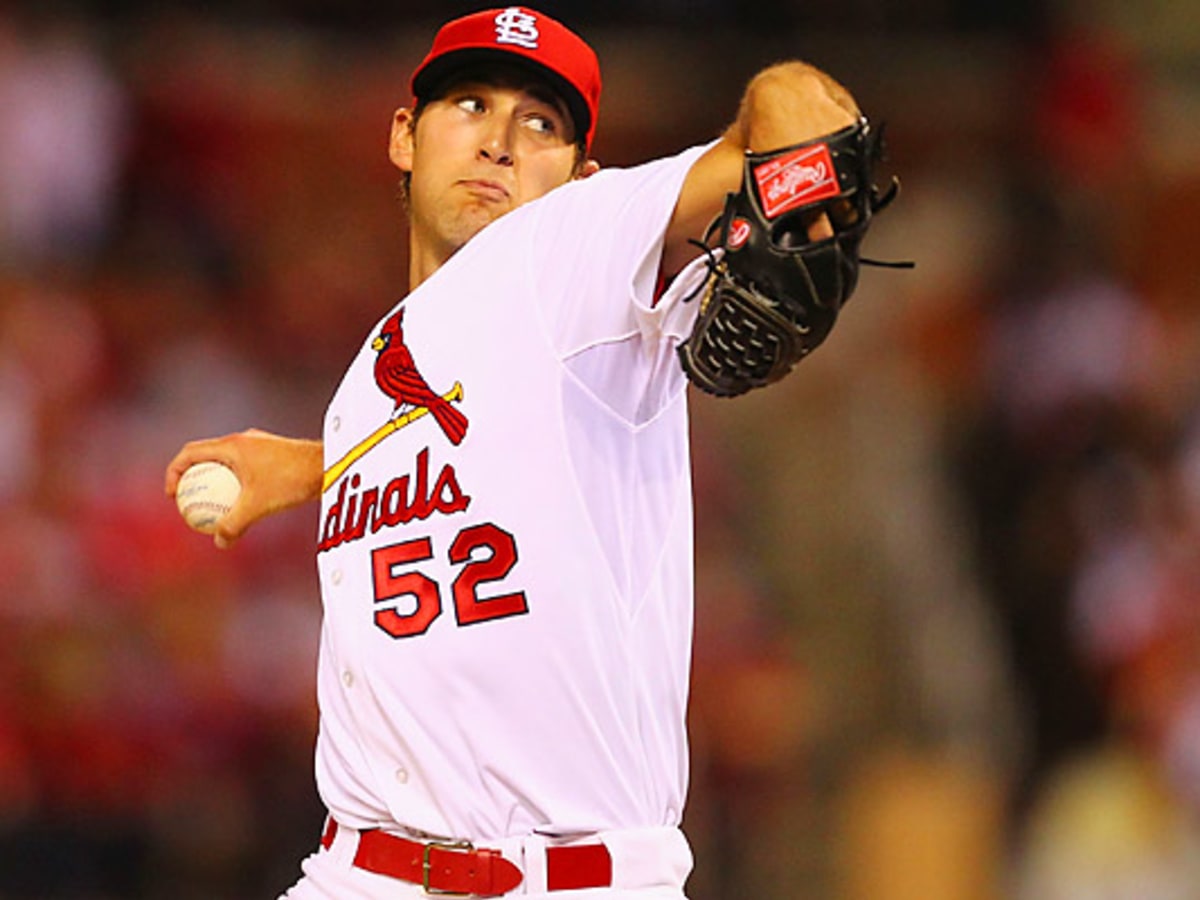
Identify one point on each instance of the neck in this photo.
(424, 259)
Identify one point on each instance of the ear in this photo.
(400, 145)
(589, 168)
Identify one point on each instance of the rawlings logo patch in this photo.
(796, 179)
(739, 231)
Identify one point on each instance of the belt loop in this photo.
(343, 842)
(533, 851)
(648, 856)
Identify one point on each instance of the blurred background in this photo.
(948, 623)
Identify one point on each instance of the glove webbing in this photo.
(742, 342)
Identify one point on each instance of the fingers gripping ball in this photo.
(206, 492)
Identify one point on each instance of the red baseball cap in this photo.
(527, 37)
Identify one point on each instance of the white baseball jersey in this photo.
(506, 569)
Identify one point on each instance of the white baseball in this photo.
(206, 492)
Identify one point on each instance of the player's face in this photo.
(478, 152)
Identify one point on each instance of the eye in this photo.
(542, 124)
(470, 103)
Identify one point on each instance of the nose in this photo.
(496, 142)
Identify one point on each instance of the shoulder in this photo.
(616, 184)
(618, 205)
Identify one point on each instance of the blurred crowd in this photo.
(948, 624)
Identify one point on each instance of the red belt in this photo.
(467, 870)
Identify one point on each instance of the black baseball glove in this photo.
(773, 294)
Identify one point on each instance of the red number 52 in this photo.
(487, 554)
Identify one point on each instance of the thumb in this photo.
(232, 525)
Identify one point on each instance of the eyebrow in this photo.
(547, 96)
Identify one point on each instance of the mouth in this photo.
(486, 189)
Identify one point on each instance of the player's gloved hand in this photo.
(276, 473)
(786, 260)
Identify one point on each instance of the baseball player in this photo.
(505, 530)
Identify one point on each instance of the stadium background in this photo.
(948, 615)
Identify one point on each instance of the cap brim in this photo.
(427, 81)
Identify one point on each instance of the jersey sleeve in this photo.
(595, 255)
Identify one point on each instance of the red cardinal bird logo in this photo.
(397, 376)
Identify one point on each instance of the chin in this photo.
(475, 219)
(456, 238)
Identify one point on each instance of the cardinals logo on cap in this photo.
(516, 27)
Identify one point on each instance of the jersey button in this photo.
(348, 678)
(402, 775)
(336, 576)
(337, 423)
